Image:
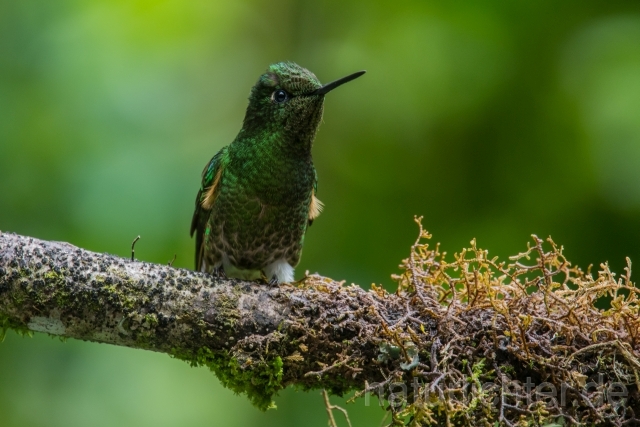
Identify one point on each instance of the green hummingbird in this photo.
(258, 194)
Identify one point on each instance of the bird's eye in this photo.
(280, 96)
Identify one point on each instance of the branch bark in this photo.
(257, 338)
(444, 349)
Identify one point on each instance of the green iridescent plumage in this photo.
(258, 194)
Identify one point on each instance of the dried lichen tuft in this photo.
(518, 343)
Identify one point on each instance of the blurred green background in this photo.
(492, 119)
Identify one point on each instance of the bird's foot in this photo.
(271, 282)
(219, 273)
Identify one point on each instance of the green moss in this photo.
(259, 380)
(6, 323)
(144, 339)
(150, 319)
(123, 295)
(19, 298)
(56, 282)
(112, 289)
(508, 369)
(226, 308)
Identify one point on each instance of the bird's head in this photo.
(289, 98)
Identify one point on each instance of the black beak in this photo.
(334, 84)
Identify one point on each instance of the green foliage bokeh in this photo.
(494, 120)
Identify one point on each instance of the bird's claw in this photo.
(220, 273)
(271, 282)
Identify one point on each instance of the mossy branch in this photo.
(468, 342)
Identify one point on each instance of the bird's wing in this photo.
(315, 207)
(204, 201)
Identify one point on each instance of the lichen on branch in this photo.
(468, 341)
(519, 342)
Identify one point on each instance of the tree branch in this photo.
(457, 340)
(257, 338)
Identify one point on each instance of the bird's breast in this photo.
(279, 183)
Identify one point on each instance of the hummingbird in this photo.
(258, 194)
